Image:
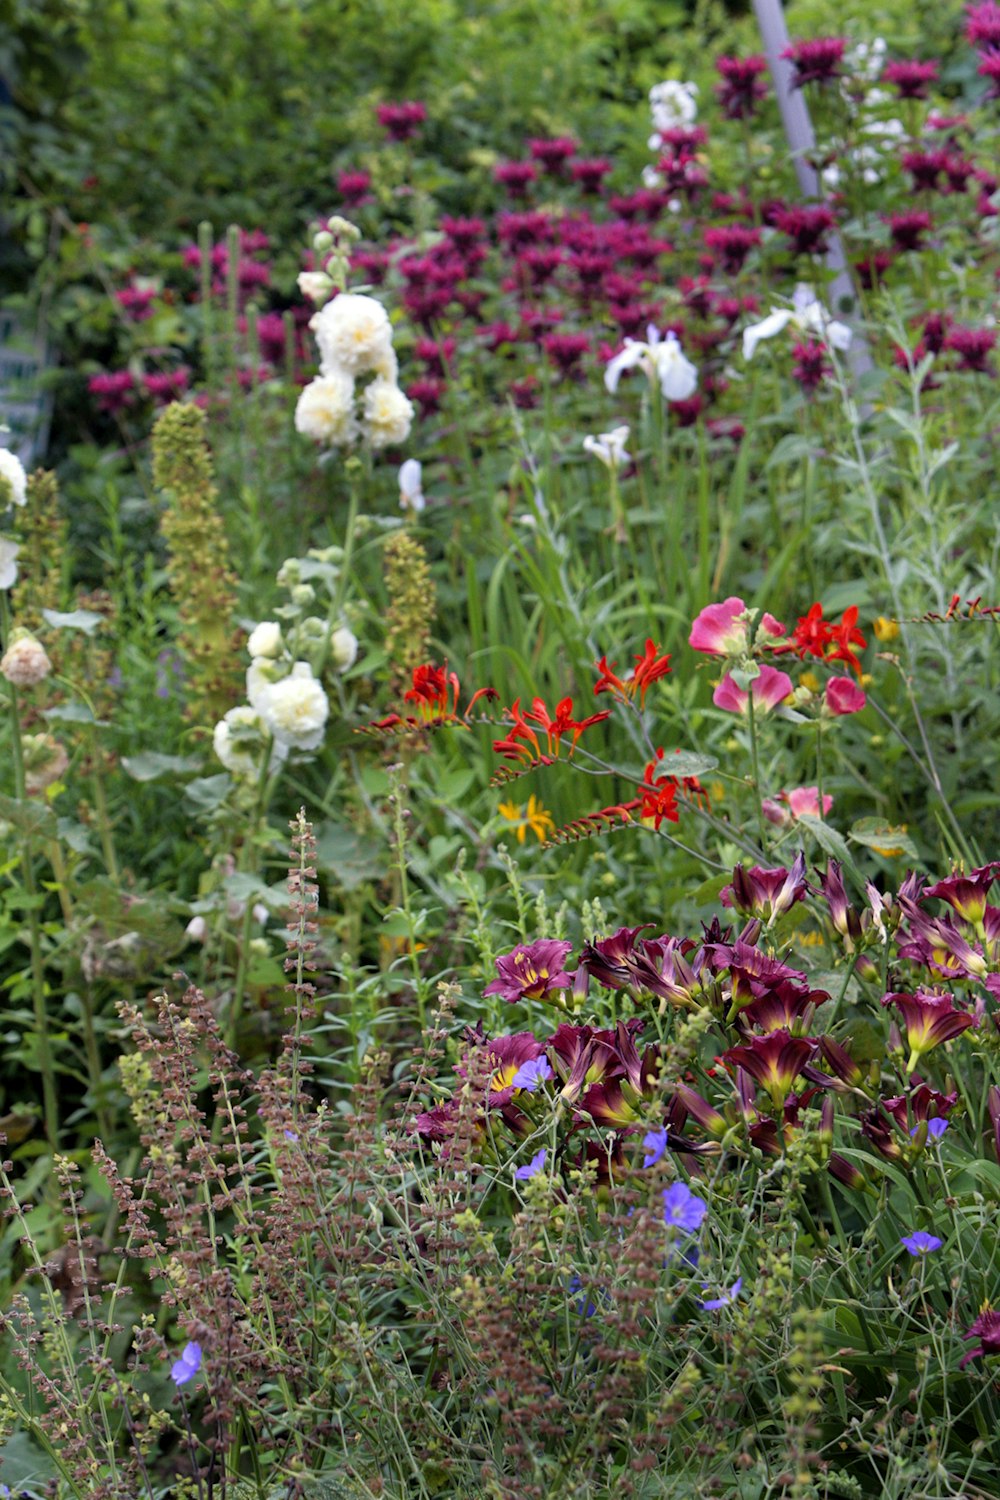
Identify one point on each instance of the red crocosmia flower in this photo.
(563, 723)
(774, 1061)
(986, 1328)
(531, 971)
(814, 636)
(844, 696)
(770, 687)
(649, 668)
(659, 794)
(843, 637)
(929, 1019)
(432, 686)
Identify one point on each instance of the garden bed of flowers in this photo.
(500, 926)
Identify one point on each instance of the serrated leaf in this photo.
(687, 763)
(76, 619)
(148, 765)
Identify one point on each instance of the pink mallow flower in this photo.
(843, 696)
(770, 687)
(721, 629)
(801, 801)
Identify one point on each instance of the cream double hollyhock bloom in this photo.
(325, 409)
(12, 479)
(295, 709)
(354, 335)
(388, 414)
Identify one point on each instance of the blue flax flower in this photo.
(921, 1243)
(724, 1298)
(184, 1369)
(683, 1209)
(655, 1142)
(935, 1129)
(531, 1075)
(529, 1169)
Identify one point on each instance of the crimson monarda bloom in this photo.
(769, 688)
(908, 229)
(730, 244)
(774, 1061)
(806, 227)
(742, 87)
(911, 79)
(553, 153)
(532, 971)
(929, 1019)
(986, 1329)
(766, 893)
(649, 668)
(982, 26)
(401, 121)
(810, 366)
(816, 61)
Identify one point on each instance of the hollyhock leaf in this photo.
(149, 765)
(31, 818)
(70, 713)
(206, 793)
(876, 833)
(350, 857)
(77, 619)
(688, 763)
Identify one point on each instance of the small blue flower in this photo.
(921, 1243)
(724, 1298)
(584, 1307)
(291, 1135)
(935, 1129)
(683, 1209)
(184, 1369)
(655, 1142)
(531, 1075)
(529, 1169)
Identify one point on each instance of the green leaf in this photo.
(687, 763)
(149, 765)
(206, 793)
(77, 619)
(828, 839)
(877, 834)
(348, 856)
(31, 819)
(70, 713)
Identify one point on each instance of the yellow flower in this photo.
(886, 851)
(885, 630)
(810, 680)
(534, 817)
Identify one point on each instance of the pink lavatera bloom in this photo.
(723, 629)
(801, 801)
(769, 688)
(843, 696)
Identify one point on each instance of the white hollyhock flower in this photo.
(8, 563)
(609, 447)
(343, 648)
(25, 662)
(354, 335)
(325, 409)
(261, 673)
(239, 739)
(411, 495)
(661, 360)
(316, 285)
(806, 315)
(295, 710)
(265, 639)
(12, 470)
(388, 414)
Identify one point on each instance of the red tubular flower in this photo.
(434, 694)
(659, 794)
(563, 723)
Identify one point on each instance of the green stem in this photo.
(755, 768)
(49, 1095)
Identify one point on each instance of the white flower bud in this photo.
(343, 648)
(265, 639)
(25, 663)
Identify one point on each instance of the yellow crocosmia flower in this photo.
(534, 817)
(885, 630)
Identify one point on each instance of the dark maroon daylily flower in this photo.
(508, 1053)
(843, 916)
(966, 894)
(786, 1005)
(774, 1061)
(939, 944)
(929, 1019)
(845, 1171)
(532, 971)
(921, 1103)
(993, 1105)
(766, 893)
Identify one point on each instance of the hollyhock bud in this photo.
(25, 663)
(843, 696)
(13, 480)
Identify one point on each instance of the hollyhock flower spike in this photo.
(769, 688)
(532, 971)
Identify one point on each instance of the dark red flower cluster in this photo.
(401, 121)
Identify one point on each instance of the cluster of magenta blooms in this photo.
(926, 955)
(571, 265)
